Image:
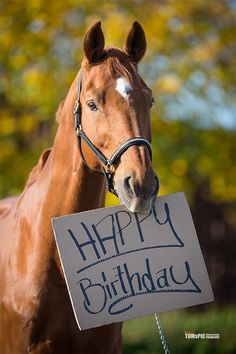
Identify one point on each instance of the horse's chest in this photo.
(51, 325)
(55, 330)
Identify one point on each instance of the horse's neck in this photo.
(70, 186)
(65, 185)
(73, 186)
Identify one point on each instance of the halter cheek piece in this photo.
(108, 163)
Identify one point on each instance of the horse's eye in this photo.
(92, 106)
(152, 102)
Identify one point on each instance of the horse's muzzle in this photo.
(136, 197)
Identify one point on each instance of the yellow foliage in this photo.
(32, 77)
(205, 164)
(7, 41)
(27, 124)
(18, 61)
(116, 29)
(8, 124)
(179, 167)
(111, 200)
(168, 84)
(204, 52)
(231, 193)
(8, 149)
(218, 186)
(163, 190)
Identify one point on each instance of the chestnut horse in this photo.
(113, 106)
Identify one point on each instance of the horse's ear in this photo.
(94, 42)
(136, 44)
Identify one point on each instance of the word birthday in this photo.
(126, 285)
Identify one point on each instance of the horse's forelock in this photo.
(117, 62)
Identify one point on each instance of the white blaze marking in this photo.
(123, 87)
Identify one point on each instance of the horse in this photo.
(105, 113)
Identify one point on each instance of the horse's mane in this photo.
(34, 174)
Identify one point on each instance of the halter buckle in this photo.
(108, 167)
(109, 179)
(79, 129)
(76, 107)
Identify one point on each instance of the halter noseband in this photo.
(116, 155)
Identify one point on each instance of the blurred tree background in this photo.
(190, 65)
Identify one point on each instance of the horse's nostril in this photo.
(132, 187)
(128, 186)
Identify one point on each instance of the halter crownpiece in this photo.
(108, 163)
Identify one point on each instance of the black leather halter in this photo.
(108, 163)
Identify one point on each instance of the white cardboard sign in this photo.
(119, 265)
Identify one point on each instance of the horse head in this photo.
(114, 107)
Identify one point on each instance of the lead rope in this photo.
(161, 334)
